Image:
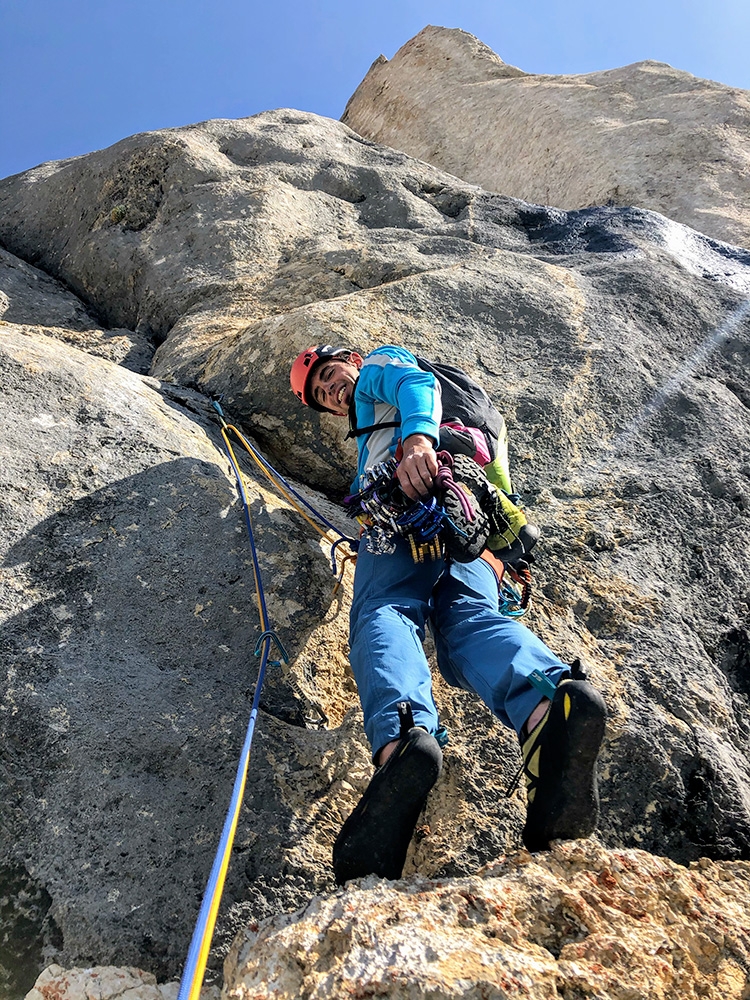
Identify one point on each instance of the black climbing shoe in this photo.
(519, 548)
(505, 531)
(375, 838)
(559, 765)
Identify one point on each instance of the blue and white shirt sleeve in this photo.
(392, 386)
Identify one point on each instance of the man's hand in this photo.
(419, 466)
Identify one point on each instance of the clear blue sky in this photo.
(77, 75)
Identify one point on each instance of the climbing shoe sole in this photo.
(465, 539)
(375, 838)
(560, 766)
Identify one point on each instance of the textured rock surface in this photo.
(35, 303)
(645, 134)
(129, 624)
(104, 983)
(579, 922)
(616, 342)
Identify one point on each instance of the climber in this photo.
(558, 716)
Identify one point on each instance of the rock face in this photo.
(105, 983)
(615, 341)
(646, 134)
(33, 302)
(128, 633)
(582, 922)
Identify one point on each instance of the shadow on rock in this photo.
(130, 673)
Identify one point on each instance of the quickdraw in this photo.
(385, 511)
(450, 523)
(515, 593)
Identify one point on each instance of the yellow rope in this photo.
(200, 946)
(287, 496)
(205, 948)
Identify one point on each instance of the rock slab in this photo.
(615, 341)
(646, 134)
(581, 921)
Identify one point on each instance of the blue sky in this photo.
(78, 75)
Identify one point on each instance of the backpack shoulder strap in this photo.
(355, 431)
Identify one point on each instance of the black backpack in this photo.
(464, 402)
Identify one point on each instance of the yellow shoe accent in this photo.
(531, 756)
(515, 520)
(498, 474)
(533, 735)
(566, 706)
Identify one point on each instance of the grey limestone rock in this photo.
(33, 302)
(615, 341)
(129, 626)
(647, 134)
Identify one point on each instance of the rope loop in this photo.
(444, 480)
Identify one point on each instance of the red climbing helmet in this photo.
(304, 365)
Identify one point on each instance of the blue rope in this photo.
(298, 496)
(203, 931)
(225, 843)
(353, 543)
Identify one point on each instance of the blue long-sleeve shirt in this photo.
(391, 386)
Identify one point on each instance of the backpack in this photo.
(465, 403)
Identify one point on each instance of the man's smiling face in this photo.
(332, 384)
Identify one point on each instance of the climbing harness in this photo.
(455, 521)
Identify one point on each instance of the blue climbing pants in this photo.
(478, 649)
